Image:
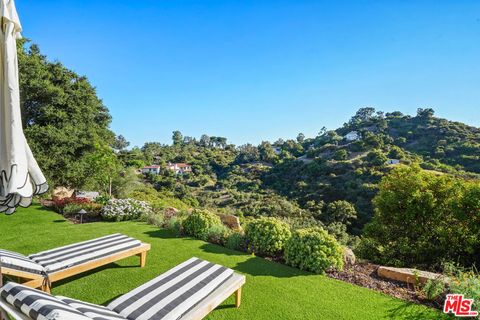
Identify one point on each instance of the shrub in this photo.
(102, 200)
(235, 241)
(313, 249)
(71, 209)
(433, 289)
(464, 281)
(60, 204)
(340, 154)
(156, 219)
(267, 236)
(175, 224)
(217, 234)
(125, 209)
(197, 223)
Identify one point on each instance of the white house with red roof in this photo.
(153, 169)
(179, 168)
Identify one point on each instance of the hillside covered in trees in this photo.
(328, 179)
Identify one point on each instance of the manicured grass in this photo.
(273, 291)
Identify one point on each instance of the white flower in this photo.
(125, 209)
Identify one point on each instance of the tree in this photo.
(120, 143)
(266, 152)
(340, 154)
(376, 157)
(177, 138)
(205, 140)
(422, 219)
(362, 115)
(426, 113)
(63, 117)
(300, 138)
(340, 211)
(103, 167)
(151, 150)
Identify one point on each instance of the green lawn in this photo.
(273, 291)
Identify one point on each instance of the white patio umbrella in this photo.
(20, 175)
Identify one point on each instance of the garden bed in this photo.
(364, 274)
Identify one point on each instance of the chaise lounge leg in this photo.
(238, 297)
(46, 288)
(3, 315)
(143, 259)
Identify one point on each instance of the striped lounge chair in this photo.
(191, 290)
(41, 269)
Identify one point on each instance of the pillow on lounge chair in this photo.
(38, 305)
(17, 261)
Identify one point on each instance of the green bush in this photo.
(313, 249)
(217, 234)
(464, 281)
(175, 224)
(198, 223)
(93, 209)
(235, 241)
(71, 209)
(267, 236)
(156, 219)
(433, 289)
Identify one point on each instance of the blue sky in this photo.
(260, 70)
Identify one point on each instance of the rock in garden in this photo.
(348, 257)
(231, 221)
(60, 193)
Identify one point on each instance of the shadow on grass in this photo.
(408, 311)
(90, 272)
(163, 234)
(256, 266)
(226, 306)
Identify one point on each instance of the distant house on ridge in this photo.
(154, 169)
(393, 161)
(352, 136)
(277, 150)
(179, 168)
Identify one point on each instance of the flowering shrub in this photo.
(59, 205)
(125, 209)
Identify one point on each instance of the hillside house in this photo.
(352, 136)
(393, 161)
(277, 150)
(153, 169)
(179, 168)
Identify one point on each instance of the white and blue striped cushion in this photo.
(75, 254)
(38, 305)
(17, 261)
(173, 293)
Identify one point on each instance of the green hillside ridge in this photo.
(298, 179)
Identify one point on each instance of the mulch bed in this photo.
(365, 274)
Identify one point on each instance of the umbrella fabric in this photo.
(20, 175)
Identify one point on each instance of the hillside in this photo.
(306, 180)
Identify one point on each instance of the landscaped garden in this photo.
(272, 291)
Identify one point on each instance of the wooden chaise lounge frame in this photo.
(38, 281)
(233, 286)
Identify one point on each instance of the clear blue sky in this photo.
(260, 70)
